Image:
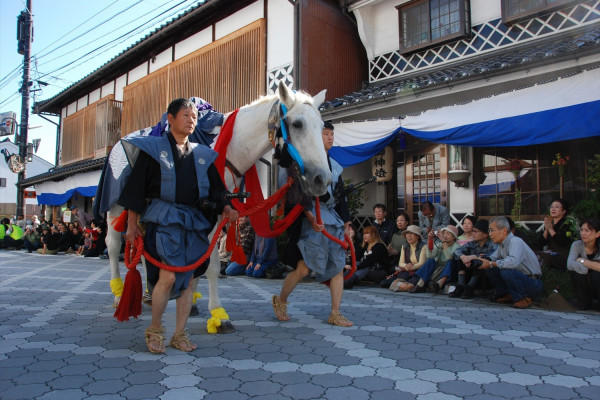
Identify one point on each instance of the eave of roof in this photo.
(515, 58)
(56, 174)
(184, 25)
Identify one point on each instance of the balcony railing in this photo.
(91, 132)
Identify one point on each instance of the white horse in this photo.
(249, 142)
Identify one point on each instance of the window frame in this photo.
(534, 12)
(464, 30)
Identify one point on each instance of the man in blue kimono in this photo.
(171, 183)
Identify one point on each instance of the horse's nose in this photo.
(318, 181)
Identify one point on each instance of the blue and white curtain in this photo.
(562, 109)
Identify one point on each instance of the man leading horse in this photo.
(170, 181)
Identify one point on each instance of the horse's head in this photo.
(304, 129)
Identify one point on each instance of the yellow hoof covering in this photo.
(197, 296)
(116, 285)
(215, 321)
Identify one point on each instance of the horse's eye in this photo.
(297, 124)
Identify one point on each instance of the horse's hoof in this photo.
(147, 299)
(194, 311)
(225, 327)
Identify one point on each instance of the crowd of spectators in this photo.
(82, 236)
(433, 256)
(436, 257)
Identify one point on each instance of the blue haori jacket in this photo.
(182, 230)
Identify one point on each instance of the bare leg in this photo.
(292, 279)
(336, 287)
(183, 305)
(160, 298)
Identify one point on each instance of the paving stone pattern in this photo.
(59, 340)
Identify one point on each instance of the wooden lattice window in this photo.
(518, 10)
(425, 23)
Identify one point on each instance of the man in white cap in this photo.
(440, 262)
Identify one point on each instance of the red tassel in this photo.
(120, 223)
(239, 256)
(230, 242)
(130, 304)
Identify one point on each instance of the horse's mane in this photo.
(300, 97)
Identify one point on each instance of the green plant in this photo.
(590, 206)
(355, 199)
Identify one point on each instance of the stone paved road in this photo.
(60, 341)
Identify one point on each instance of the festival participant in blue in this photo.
(171, 184)
(313, 251)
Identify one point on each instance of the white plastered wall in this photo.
(137, 73)
(94, 96)
(280, 37)
(240, 19)
(161, 59)
(82, 102)
(121, 82)
(109, 88)
(193, 43)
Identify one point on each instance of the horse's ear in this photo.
(286, 95)
(319, 98)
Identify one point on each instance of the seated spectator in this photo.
(513, 268)
(88, 243)
(584, 263)
(264, 255)
(77, 238)
(384, 225)
(374, 262)
(432, 217)
(467, 227)
(65, 243)
(467, 257)
(356, 242)
(246, 240)
(412, 256)
(224, 255)
(13, 238)
(20, 222)
(4, 226)
(556, 237)
(440, 262)
(99, 239)
(49, 240)
(398, 239)
(31, 239)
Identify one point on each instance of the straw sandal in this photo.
(338, 319)
(116, 301)
(156, 335)
(181, 341)
(280, 309)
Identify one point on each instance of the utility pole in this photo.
(24, 39)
